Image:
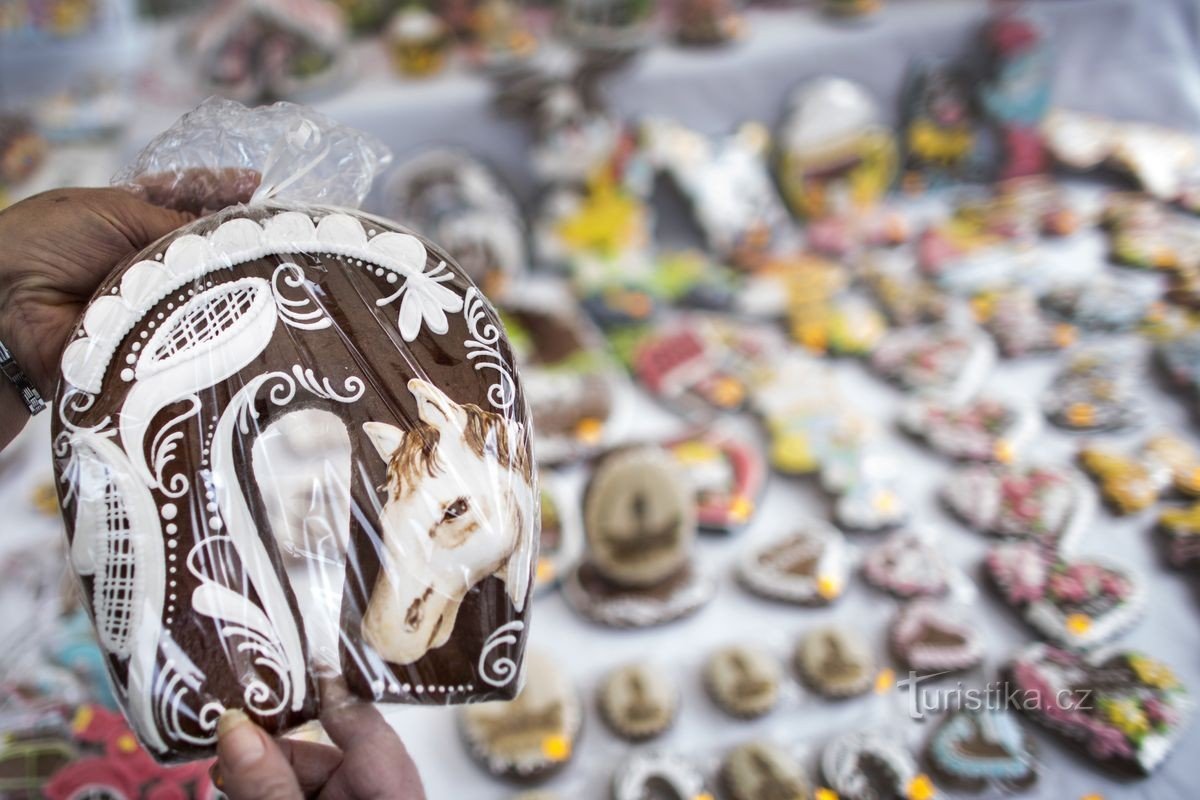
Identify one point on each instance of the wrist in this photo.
(14, 335)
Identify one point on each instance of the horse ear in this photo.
(386, 438)
(434, 407)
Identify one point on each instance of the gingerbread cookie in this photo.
(907, 565)
(1018, 325)
(950, 361)
(835, 662)
(1048, 505)
(638, 702)
(1079, 603)
(972, 750)
(931, 636)
(672, 775)
(985, 428)
(759, 769)
(743, 681)
(640, 526)
(531, 737)
(1126, 709)
(1093, 391)
(1128, 483)
(191, 354)
(727, 474)
(869, 766)
(571, 383)
(1180, 528)
(809, 567)
(1104, 303)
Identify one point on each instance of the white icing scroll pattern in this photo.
(484, 345)
(191, 257)
(496, 670)
(303, 313)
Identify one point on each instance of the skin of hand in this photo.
(56, 248)
(369, 762)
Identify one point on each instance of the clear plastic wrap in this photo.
(291, 445)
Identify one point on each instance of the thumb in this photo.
(251, 764)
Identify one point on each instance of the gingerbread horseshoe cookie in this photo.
(186, 360)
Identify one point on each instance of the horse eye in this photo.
(456, 509)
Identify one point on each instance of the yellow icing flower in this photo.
(1127, 716)
(1153, 673)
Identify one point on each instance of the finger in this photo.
(251, 764)
(375, 763)
(198, 191)
(312, 762)
(139, 221)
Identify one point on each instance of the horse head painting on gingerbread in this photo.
(186, 363)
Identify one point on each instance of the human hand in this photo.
(369, 760)
(56, 248)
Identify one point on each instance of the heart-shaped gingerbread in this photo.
(985, 428)
(1126, 709)
(809, 567)
(907, 564)
(1048, 505)
(1094, 390)
(931, 636)
(1078, 603)
(1018, 324)
(727, 473)
(971, 750)
(935, 358)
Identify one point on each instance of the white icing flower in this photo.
(426, 301)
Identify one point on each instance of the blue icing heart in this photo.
(983, 745)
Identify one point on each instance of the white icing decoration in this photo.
(177, 678)
(191, 257)
(484, 345)
(425, 300)
(117, 539)
(501, 671)
(295, 313)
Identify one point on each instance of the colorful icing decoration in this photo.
(760, 769)
(1018, 325)
(640, 524)
(1135, 711)
(744, 682)
(1047, 505)
(189, 356)
(835, 156)
(702, 365)
(727, 473)
(114, 764)
(531, 737)
(973, 750)
(948, 361)
(1180, 457)
(1078, 603)
(907, 299)
(1015, 93)
(638, 701)
(460, 203)
(866, 765)
(866, 482)
(835, 661)
(1093, 390)
(570, 382)
(986, 428)
(272, 49)
(672, 775)
(1128, 483)
(932, 636)
(942, 138)
(808, 567)
(1180, 528)
(733, 198)
(907, 564)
